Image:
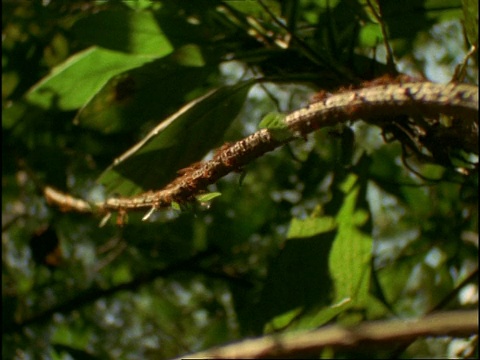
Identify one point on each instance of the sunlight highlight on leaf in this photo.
(133, 32)
(73, 83)
(349, 260)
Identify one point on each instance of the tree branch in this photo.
(376, 333)
(377, 100)
(190, 264)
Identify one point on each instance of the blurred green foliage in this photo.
(333, 229)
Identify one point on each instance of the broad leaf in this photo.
(310, 226)
(351, 252)
(133, 32)
(73, 83)
(146, 93)
(180, 140)
(297, 278)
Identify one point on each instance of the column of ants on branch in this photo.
(230, 157)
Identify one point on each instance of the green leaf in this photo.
(208, 196)
(281, 321)
(275, 122)
(12, 114)
(370, 34)
(148, 92)
(189, 55)
(176, 206)
(179, 141)
(470, 13)
(73, 83)
(310, 226)
(349, 260)
(254, 9)
(133, 32)
(297, 277)
(315, 318)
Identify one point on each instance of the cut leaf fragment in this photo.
(208, 196)
(275, 122)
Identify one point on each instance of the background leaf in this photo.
(349, 260)
(297, 277)
(311, 226)
(74, 82)
(143, 95)
(470, 13)
(132, 32)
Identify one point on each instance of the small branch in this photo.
(461, 69)
(376, 333)
(6, 224)
(375, 101)
(378, 15)
(314, 56)
(472, 277)
(66, 202)
(91, 295)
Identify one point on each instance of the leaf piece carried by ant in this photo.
(275, 123)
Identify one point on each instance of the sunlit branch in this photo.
(376, 102)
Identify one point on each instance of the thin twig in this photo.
(190, 264)
(378, 15)
(311, 54)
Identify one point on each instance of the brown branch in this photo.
(472, 277)
(376, 333)
(377, 100)
(66, 202)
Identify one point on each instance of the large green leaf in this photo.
(146, 93)
(298, 286)
(134, 32)
(183, 138)
(311, 226)
(348, 264)
(73, 83)
(351, 252)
